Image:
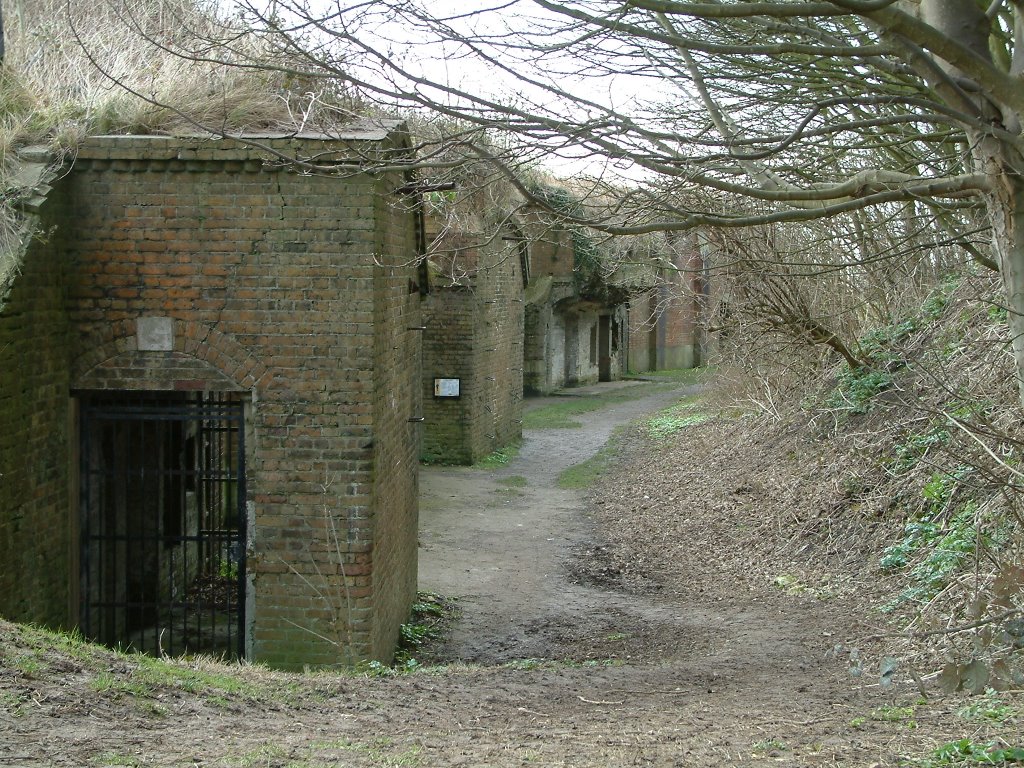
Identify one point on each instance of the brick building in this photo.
(210, 399)
(575, 326)
(512, 309)
(473, 343)
(665, 310)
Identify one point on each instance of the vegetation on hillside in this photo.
(879, 337)
(78, 69)
(908, 463)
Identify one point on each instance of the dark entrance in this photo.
(604, 346)
(163, 521)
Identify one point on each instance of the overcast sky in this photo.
(421, 52)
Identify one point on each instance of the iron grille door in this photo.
(163, 521)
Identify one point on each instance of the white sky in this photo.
(449, 64)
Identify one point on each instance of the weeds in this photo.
(916, 447)
(499, 458)
(939, 544)
(967, 752)
(768, 746)
(586, 473)
(856, 387)
(429, 616)
(675, 418)
(947, 550)
(891, 713)
(989, 707)
(880, 353)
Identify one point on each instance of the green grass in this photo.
(680, 375)
(677, 417)
(111, 757)
(563, 413)
(499, 458)
(586, 473)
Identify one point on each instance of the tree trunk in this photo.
(1006, 213)
(965, 22)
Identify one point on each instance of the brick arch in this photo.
(200, 355)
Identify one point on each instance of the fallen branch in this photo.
(949, 630)
(590, 701)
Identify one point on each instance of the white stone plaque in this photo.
(154, 334)
(446, 387)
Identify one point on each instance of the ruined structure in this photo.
(575, 330)
(210, 399)
(473, 343)
(665, 310)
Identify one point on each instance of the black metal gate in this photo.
(162, 499)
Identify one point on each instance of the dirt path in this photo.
(687, 666)
(505, 550)
(719, 672)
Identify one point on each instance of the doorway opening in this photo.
(163, 521)
(604, 344)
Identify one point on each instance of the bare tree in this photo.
(883, 111)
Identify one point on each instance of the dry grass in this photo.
(145, 66)
(901, 483)
(140, 67)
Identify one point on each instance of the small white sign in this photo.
(154, 334)
(446, 387)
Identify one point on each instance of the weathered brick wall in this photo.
(663, 320)
(397, 406)
(270, 279)
(449, 341)
(474, 332)
(551, 248)
(35, 461)
(499, 323)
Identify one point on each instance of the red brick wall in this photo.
(474, 332)
(271, 282)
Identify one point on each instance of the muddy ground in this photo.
(625, 626)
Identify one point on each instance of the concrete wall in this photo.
(545, 334)
(564, 343)
(298, 291)
(594, 343)
(474, 333)
(567, 343)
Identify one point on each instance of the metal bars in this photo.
(162, 530)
